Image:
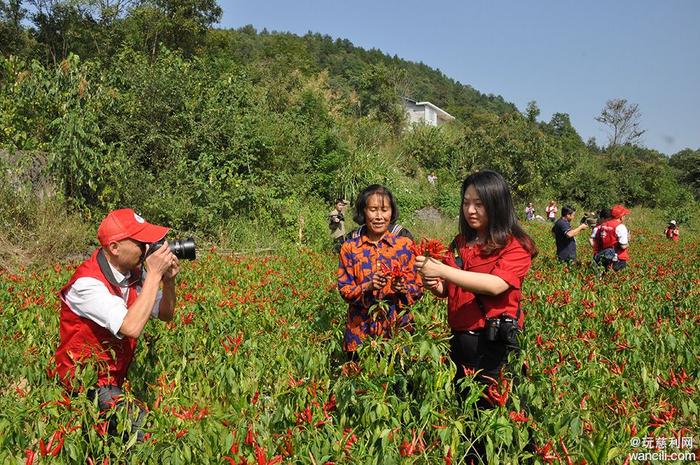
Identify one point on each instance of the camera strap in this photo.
(107, 272)
(460, 262)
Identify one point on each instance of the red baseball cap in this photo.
(125, 223)
(618, 211)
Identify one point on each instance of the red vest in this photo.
(607, 238)
(672, 233)
(84, 340)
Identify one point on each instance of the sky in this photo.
(569, 56)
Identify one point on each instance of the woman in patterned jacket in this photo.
(376, 273)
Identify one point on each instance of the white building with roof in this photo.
(425, 113)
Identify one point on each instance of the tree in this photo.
(12, 12)
(561, 128)
(60, 28)
(622, 120)
(592, 145)
(87, 28)
(14, 39)
(379, 95)
(687, 165)
(176, 24)
(532, 111)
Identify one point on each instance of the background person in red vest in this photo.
(671, 231)
(613, 240)
(603, 215)
(107, 302)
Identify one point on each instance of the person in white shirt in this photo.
(106, 304)
(551, 211)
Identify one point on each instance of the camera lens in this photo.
(184, 250)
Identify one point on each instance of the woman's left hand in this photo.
(428, 267)
(398, 286)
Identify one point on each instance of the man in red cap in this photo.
(613, 240)
(107, 302)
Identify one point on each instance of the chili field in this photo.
(251, 370)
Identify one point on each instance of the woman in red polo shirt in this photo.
(482, 278)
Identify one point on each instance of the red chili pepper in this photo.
(101, 427)
(352, 439)
(250, 436)
(187, 319)
(430, 248)
(232, 343)
(329, 406)
(406, 449)
(582, 405)
(260, 456)
(448, 456)
(566, 452)
(493, 394)
(519, 417)
(56, 442)
(234, 445)
(30, 455)
(546, 453)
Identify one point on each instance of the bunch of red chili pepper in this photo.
(430, 248)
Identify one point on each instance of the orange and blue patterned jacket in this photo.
(359, 260)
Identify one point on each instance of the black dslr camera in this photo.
(590, 218)
(183, 250)
(503, 329)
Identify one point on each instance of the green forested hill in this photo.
(346, 64)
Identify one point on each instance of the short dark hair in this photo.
(498, 203)
(604, 213)
(567, 210)
(366, 193)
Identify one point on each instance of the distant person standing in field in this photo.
(482, 279)
(530, 212)
(106, 304)
(432, 179)
(565, 235)
(336, 223)
(613, 240)
(551, 211)
(376, 272)
(671, 231)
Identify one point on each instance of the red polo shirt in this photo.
(510, 264)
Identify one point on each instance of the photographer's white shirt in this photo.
(622, 234)
(89, 298)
